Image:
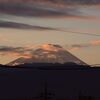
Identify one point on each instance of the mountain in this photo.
(48, 53)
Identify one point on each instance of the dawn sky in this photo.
(83, 20)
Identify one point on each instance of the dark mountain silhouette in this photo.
(49, 53)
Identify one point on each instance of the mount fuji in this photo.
(48, 53)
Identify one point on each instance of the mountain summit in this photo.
(48, 53)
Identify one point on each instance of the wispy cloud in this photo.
(57, 2)
(16, 51)
(46, 8)
(95, 42)
(6, 24)
(75, 47)
(22, 9)
(79, 32)
(28, 10)
(8, 48)
(15, 25)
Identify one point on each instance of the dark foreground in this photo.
(43, 83)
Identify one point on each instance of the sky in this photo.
(76, 28)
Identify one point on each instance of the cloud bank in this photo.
(16, 51)
(26, 52)
(55, 1)
(37, 10)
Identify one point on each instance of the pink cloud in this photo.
(95, 42)
(75, 47)
(17, 55)
(21, 55)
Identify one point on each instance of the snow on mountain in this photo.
(48, 53)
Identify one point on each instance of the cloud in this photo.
(18, 55)
(3, 39)
(16, 51)
(15, 25)
(79, 46)
(27, 51)
(56, 2)
(8, 48)
(51, 47)
(38, 10)
(75, 47)
(77, 32)
(95, 42)
(28, 10)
